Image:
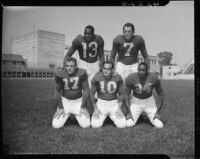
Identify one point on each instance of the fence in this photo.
(28, 74)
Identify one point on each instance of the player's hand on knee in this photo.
(129, 122)
(157, 116)
(84, 112)
(97, 113)
(119, 114)
(58, 112)
(129, 116)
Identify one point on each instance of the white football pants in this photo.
(108, 108)
(125, 70)
(91, 68)
(71, 107)
(147, 106)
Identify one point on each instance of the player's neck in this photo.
(108, 77)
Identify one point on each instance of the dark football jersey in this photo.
(143, 90)
(108, 89)
(88, 51)
(128, 50)
(71, 85)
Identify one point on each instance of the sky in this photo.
(169, 28)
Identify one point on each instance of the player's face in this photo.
(142, 70)
(70, 67)
(107, 69)
(88, 35)
(128, 33)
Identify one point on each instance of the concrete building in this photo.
(41, 49)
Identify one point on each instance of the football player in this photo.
(142, 83)
(110, 92)
(127, 46)
(72, 90)
(91, 51)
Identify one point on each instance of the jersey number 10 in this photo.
(111, 87)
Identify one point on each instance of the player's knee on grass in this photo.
(59, 121)
(157, 123)
(120, 123)
(83, 121)
(130, 122)
(96, 123)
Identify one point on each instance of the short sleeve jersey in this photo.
(71, 85)
(108, 89)
(128, 50)
(88, 51)
(137, 86)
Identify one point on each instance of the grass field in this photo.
(28, 111)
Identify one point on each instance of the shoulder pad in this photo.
(78, 38)
(139, 37)
(81, 72)
(117, 77)
(118, 38)
(97, 76)
(133, 77)
(59, 73)
(153, 77)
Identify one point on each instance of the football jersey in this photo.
(143, 90)
(71, 85)
(88, 51)
(108, 89)
(128, 50)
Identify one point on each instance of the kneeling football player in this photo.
(142, 83)
(110, 93)
(72, 90)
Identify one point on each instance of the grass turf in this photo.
(28, 111)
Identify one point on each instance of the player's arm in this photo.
(101, 53)
(144, 53)
(93, 90)
(86, 90)
(113, 52)
(127, 91)
(121, 92)
(160, 93)
(58, 93)
(71, 50)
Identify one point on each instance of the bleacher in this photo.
(32, 73)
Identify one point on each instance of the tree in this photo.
(165, 58)
(52, 66)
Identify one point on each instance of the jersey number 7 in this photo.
(130, 46)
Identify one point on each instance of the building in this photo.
(170, 72)
(177, 72)
(41, 49)
(12, 62)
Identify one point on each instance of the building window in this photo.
(14, 62)
(4, 62)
